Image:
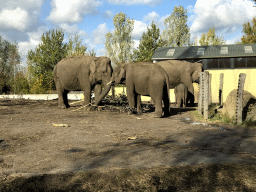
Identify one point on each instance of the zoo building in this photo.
(231, 60)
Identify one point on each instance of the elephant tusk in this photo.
(110, 82)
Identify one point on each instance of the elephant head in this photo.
(101, 72)
(198, 68)
(119, 74)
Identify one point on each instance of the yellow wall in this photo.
(230, 82)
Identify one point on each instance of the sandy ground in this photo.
(108, 138)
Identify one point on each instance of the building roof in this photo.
(200, 52)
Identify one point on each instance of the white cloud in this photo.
(224, 15)
(14, 19)
(19, 15)
(98, 35)
(101, 52)
(139, 28)
(134, 2)
(108, 14)
(72, 11)
(72, 30)
(34, 40)
(153, 16)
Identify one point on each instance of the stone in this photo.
(249, 105)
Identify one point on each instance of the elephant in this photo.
(182, 72)
(181, 94)
(82, 73)
(146, 79)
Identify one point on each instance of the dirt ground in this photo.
(33, 142)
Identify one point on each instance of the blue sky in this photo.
(24, 21)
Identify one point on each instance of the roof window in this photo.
(224, 50)
(200, 51)
(170, 52)
(248, 49)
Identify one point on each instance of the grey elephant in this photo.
(182, 71)
(83, 73)
(144, 79)
(181, 94)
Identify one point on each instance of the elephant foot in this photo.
(157, 115)
(62, 106)
(131, 111)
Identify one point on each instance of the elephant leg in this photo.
(60, 91)
(191, 96)
(131, 99)
(158, 107)
(87, 98)
(166, 105)
(179, 101)
(139, 110)
(65, 98)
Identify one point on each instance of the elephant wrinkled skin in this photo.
(145, 79)
(82, 73)
(181, 94)
(182, 72)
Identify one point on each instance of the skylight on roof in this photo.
(170, 52)
(248, 49)
(200, 51)
(224, 50)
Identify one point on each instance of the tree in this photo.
(75, 46)
(9, 59)
(47, 54)
(148, 43)
(119, 43)
(249, 32)
(176, 33)
(210, 38)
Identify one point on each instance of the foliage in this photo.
(119, 43)
(9, 59)
(21, 83)
(47, 54)
(148, 43)
(91, 52)
(75, 46)
(210, 38)
(249, 32)
(38, 85)
(176, 33)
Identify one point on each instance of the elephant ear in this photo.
(93, 67)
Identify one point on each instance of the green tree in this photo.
(119, 43)
(9, 60)
(21, 82)
(75, 46)
(249, 32)
(47, 54)
(176, 33)
(210, 38)
(148, 43)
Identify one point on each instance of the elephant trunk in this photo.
(107, 87)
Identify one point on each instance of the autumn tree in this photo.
(119, 43)
(149, 41)
(249, 32)
(176, 32)
(46, 55)
(210, 38)
(76, 46)
(9, 60)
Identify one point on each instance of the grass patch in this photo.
(216, 177)
(215, 116)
